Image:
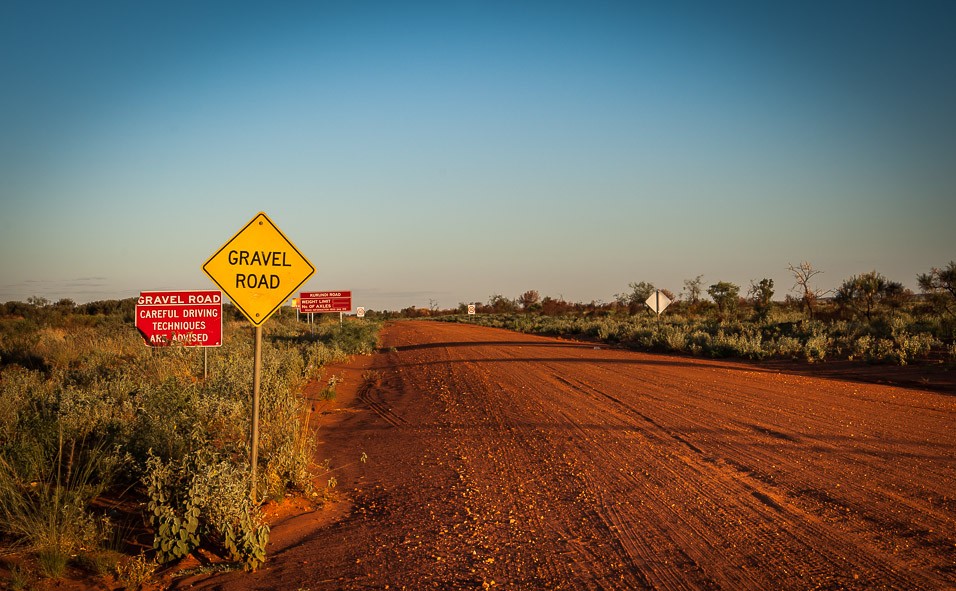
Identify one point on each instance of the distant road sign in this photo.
(658, 301)
(471, 308)
(188, 318)
(259, 269)
(325, 301)
(360, 312)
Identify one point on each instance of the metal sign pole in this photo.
(657, 308)
(257, 365)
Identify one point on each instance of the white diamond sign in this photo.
(657, 302)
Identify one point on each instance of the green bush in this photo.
(44, 498)
(780, 334)
(204, 499)
(84, 403)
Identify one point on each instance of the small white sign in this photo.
(658, 301)
(360, 312)
(471, 309)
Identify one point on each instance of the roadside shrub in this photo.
(52, 561)
(783, 333)
(204, 498)
(286, 452)
(98, 562)
(724, 345)
(85, 404)
(863, 348)
(900, 351)
(166, 420)
(891, 342)
(815, 349)
(20, 578)
(44, 498)
(674, 338)
(787, 347)
(700, 342)
(135, 571)
(19, 387)
(606, 330)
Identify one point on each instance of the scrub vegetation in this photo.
(93, 422)
(869, 318)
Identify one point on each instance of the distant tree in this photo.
(529, 299)
(38, 301)
(17, 308)
(634, 299)
(761, 295)
(500, 304)
(725, 295)
(553, 307)
(803, 274)
(864, 294)
(641, 291)
(940, 284)
(693, 288)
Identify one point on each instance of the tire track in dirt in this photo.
(783, 529)
(501, 460)
(763, 488)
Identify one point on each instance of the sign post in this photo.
(259, 269)
(187, 318)
(325, 301)
(657, 302)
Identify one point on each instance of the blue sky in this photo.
(448, 151)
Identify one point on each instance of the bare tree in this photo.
(803, 273)
(693, 288)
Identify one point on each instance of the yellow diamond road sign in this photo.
(259, 269)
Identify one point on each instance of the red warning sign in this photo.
(186, 318)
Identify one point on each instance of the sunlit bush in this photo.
(83, 400)
(783, 334)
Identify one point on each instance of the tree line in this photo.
(861, 297)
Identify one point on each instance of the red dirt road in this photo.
(507, 461)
